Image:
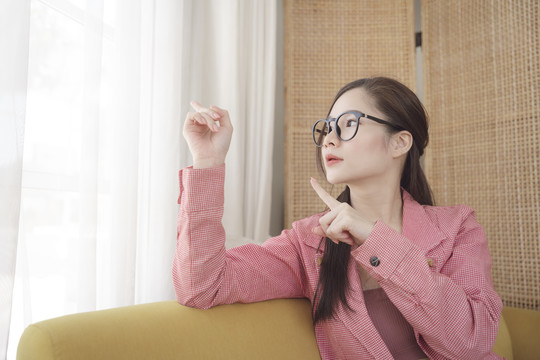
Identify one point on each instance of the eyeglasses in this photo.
(346, 126)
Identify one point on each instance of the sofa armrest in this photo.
(524, 328)
(276, 329)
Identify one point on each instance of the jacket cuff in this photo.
(201, 189)
(383, 251)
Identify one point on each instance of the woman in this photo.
(388, 274)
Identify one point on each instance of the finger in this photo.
(196, 106)
(200, 120)
(324, 225)
(209, 121)
(199, 108)
(345, 238)
(218, 110)
(192, 118)
(225, 119)
(327, 219)
(317, 230)
(337, 232)
(334, 227)
(325, 197)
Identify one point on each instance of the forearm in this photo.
(455, 313)
(453, 320)
(205, 273)
(200, 250)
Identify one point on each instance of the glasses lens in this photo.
(347, 125)
(319, 132)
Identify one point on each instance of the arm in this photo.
(455, 312)
(204, 273)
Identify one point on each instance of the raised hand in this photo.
(342, 223)
(208, 132)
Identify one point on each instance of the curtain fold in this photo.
(14, 28)
(235, 68)
(109, 86)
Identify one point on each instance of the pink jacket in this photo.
(437, 273)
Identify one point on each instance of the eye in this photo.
(347, 120)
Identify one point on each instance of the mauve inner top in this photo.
(396, 332)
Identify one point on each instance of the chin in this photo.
(340, 179)
(334, 180)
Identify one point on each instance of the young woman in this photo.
(389, 274)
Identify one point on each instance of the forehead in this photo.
(355, 99)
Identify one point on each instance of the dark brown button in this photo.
(374, 261)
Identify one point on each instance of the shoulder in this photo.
(449, 220)
(302, 230)
(454, 219)
(449, 213)
(308, 222)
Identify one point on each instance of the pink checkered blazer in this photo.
(437, 273)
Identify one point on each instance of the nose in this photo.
(330, 139)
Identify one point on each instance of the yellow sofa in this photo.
(276, 329)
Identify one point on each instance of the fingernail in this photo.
(215, 116)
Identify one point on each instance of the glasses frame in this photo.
(358, 115)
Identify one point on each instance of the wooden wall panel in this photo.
(327, 44)
(482, 86)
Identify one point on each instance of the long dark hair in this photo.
(401, 107)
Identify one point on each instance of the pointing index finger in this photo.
(214, 112)
(325, 197)
(195, 105)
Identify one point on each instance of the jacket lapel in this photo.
(419, 228)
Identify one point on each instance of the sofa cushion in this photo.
(276, 329)
(503, 343)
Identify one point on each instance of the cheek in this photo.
(374, 145)
(381, 145)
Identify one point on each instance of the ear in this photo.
(401, 143)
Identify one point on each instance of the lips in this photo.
(332, 159)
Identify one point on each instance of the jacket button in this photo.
(374, 261)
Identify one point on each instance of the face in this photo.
(366, 156)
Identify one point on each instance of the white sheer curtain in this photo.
(235, 68)
(109, 83)
(14, 18)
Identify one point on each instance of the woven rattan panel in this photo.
(327, 44)
(482, 86)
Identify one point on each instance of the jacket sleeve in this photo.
(204, 273)
(454, 309)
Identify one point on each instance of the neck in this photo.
(379, 202)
